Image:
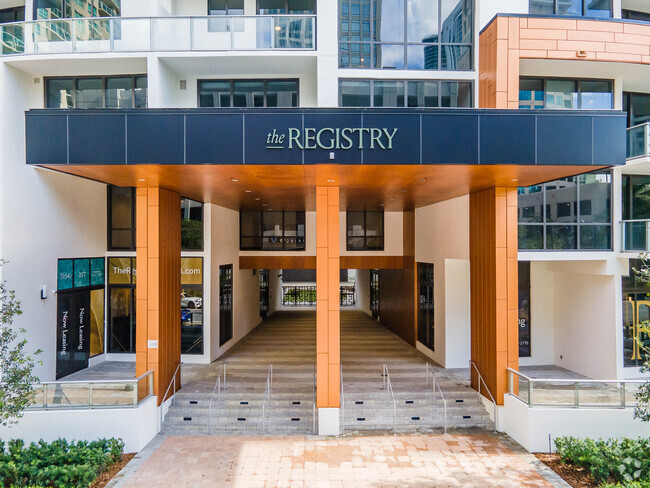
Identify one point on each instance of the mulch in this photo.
(103, 479)
(574, 475)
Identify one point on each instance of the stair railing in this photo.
(342, 402)
(390, 395)
(172, 382)
(216, 391)
(267, 394)
(481, 380)
(436, 384)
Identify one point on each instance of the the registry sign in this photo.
(329, 138)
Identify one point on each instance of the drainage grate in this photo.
(358, 403)
(193, 402)
(243, 403)
(460, 401)
(360, 419)
(295, 419)
(241, 419)
(415, 418)
(187, 419)
(408, 401)
(467, 416)
(295, 403)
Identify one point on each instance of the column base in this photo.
(328, 421)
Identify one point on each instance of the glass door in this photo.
(374, 292)
(425, 306)
(225, 303)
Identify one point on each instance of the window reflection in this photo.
(391, 93)
(588, 8)
(565, 94)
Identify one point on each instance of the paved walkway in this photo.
(459, 460)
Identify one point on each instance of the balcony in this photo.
(159, 34)
(635, 235)
(638, 141)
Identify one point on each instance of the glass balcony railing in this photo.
(635, 235)
(638, 141)
(133, 34)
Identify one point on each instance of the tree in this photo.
(16, 365)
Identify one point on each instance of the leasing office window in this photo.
(121, 218)
(567, 214)
(248, 93)
(271, 231)
(551, 93)
(96, 92)
(365, 231)
(121, 305)
(191, 305)
(274, 7)
(406, 34)
(191, 225)
(402, 93)
(586, 8)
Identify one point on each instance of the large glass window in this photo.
(96, 92)
(121, 218)
(13, 14)
(406, 34)
(274, 7)
(272, 231)
(66, 9)
(191, 305)
(225, 7)
(586, 8)
(365, 231)
(565, 94)
(248, 93)
(191, 225)
(635, 15)
(402, 93)
(636, 311)
(121, 305)
(567, 214)
(637, 106)
(636, 208)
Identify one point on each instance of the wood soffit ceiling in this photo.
(292, 187)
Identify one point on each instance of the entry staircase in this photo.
(266, 385)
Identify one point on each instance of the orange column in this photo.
(328, 358)
(158, 285)
(494, 300)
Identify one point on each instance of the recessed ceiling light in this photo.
(381, 204)
(278, 28)
(515, 179)
(404, 191)
(330, 181)
(249, 191)
(235, 180)
(392, 198)
(257, 198)
(264, 205)
(422, 180)
(141, 179)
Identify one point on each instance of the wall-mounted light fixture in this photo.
(43, 292)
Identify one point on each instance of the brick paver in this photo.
(459, 460)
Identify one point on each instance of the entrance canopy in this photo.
(400, 158)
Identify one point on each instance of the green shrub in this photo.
(59, 464)
(624, 460)
(627, 484)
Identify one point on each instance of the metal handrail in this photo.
(313, 400)
(429, 368)
(342, 401)
(481, 380)
(43, 386)
(575, 388)
(267, 393)
(388, 387)
(173, 397)
(216, 391)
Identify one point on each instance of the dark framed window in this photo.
(191, 225)
(275, 7)
(580, 8)
(374, 292)
(13, 14)
(225, 304)
(271, 231)
(248, 93)
(365, 230)
(67, 9)
(264, 292)
(121, 305)
(635, 15)
(124, 91)
(568, 214)
(426, 321)
(637, 106)
(404, 93)
(406, 34)
(121, 218)
(524, 308)
(191, 305)
(225, 7)
(566, 94)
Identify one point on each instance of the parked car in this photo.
(190, 302)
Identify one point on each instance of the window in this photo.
(374, 292)
(565, 94)
(402, 93)
(426, 320)
(96, 92)
(191, 225)
(406, 34)
(567, 214)
(248, 93)
(586, 8)
(637, 106)
(225, 304)
(191, 305)
(225, 7)
(65, 9)
(121, 218)
(272, 231)
(365, 231)
(636, 207)
(636, 311)
(272, 7)
(13, 14)
(121, 305)
(635, 15)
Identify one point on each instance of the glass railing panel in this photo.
(635, 235)
(552, 393)
(215, 33)
(39, 397)
(631, 390)
(593, 394)
(67, 395)
(113, 394)
(521, 388)
(171, 34)
(131, 34)
(91, 35)
(12, 37)
(637, 141)
(292, 33)
(53, 36)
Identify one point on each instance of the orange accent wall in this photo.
(508, 39)
(158, 285)
(328, 342)
(494, 291)
(397, 297)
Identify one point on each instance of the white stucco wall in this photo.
(362, 277)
